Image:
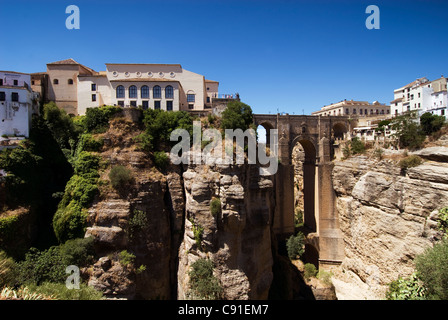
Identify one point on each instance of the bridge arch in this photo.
(308, 168)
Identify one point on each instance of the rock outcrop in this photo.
(238, 238)
(387, 217)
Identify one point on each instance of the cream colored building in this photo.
(157, 86)
(354, 109)
(62, 83)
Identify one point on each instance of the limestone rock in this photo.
(439, 154)
(387, 219)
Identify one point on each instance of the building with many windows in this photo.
(158, 86)
(17, 104)
(421, 96)
(354, 109)
(75, 87)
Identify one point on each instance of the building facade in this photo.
(17, 104)
(421, 96)
(62, 83)
(354, 109)
(157, 86)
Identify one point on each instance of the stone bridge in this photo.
(318, 136)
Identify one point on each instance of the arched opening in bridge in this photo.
(304, 160)
(311, 255)
(339, 130)
(263, 133)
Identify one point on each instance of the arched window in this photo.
(120, 92)
(156, 92)
(144, 92)
(70, 81)
(169, 93)
(55, 81)
(133, 92)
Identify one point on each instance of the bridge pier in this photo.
(331, 243)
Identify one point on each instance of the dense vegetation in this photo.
(54, 174)
(52, 180)
(411, 131)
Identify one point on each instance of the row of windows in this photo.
(56, 81)
(15, 82)
(144, 92)
(14, 96)
(145, 104)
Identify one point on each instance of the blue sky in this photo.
(290, 56)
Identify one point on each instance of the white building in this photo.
(420, 95)
(17, 103)
(157, 86)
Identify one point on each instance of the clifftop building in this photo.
(17, 103)
(422, 96)
(354, 109)
(75, 87)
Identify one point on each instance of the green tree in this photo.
(431, 122)
(408, 132)
(237, 115)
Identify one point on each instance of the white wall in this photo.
(15, 117)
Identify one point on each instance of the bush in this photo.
(215, 207)
(309, 271)
(96, 120)
(161, 160)
(410, 162)
(203, 284)
(295, 245)
(442, 221)
(158, 127)
(59, 291)
(432, 268)
(406, 289)
(126, 258)
(49, 265)
(137, 223)
(120, 177)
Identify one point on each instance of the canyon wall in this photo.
(157, 216)
(387, 217)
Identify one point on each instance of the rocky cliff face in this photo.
(387, 217)
(174, 206)
(237, 239)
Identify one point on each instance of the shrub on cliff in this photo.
(161, 160)
(410, 288)
(120, 177)
(158, 127)
(203, 284)
(410, 162)
(432, 268)
(295, 245)
(96, 120)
